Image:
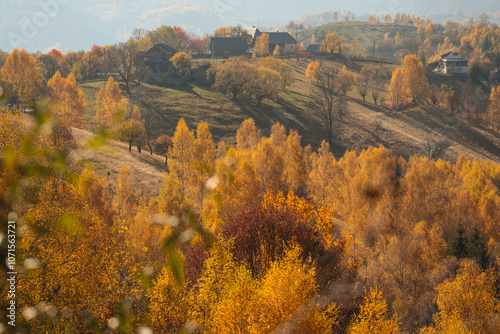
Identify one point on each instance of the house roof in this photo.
(444, 55)
(312, 47)
(452, 55)
(277, 37)
(227, 44)
(252, 31)
(154, 49)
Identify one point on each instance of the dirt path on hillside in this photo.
(405, 131)
(146, 169)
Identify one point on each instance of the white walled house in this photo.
(453, 63)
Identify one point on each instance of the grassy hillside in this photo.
(146, 170)
(403, 132)
(365, 33)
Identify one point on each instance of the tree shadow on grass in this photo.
(186, 88)
(371, 106)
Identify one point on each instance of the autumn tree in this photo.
(415, 79)
(168, 307)
(277, 51)
(280, 66)
(388, 18)
(68, 98)
(125, 200)
(93, 62)
(409, 83)
(131, 131)
(161, 146)
(467, 303)
(20, 72)
(494, 108)
(346, 80)
(203, 163)
(172, 198)
(319, 185)
(313, 39)
(363, 81)
(233, 76)
(123, 60)
(326, 96)
(313, 71)
(332, 43)
(182, 60)
(445, 93)
(262, 45)
(266, 83)
(398, 90)
(287, 284)
(247, 136)
(110, 105)
(162, 34)
(335, 15)
(373, 317)
(180, 156)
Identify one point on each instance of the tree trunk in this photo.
(130, 146)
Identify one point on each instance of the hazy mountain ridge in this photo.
(72, 25)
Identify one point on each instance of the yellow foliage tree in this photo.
(269, 165)
(346, 80)
(125, 200)
(168, 306)
(295, 174)
(372, 317)
(287, 285)
(428, 30)
(182, 60)
(247, 136)
(180, 156)
(415, 79)
(322, 175)
(262, 45)
(277, 51)
(313, 71)
(220, 271)
(110, 106)
(332, 43)
(20, 72)
(398, 90)
(467, 303)
(64, 94)
(203, 164)
(172, 198)
(279, 66)
(494, 108)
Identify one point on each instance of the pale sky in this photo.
(74, 24)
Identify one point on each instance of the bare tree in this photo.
(123, 59)
(139, 33)
(363, 81)
(376, 84)
(329, 101)
(433, 148)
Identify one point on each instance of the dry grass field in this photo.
(403, 132)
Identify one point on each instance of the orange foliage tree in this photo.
(68, 98)
(20, 72)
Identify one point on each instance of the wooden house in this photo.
(453, 63)
(159, 69)
(225, 47)
(283, 39)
